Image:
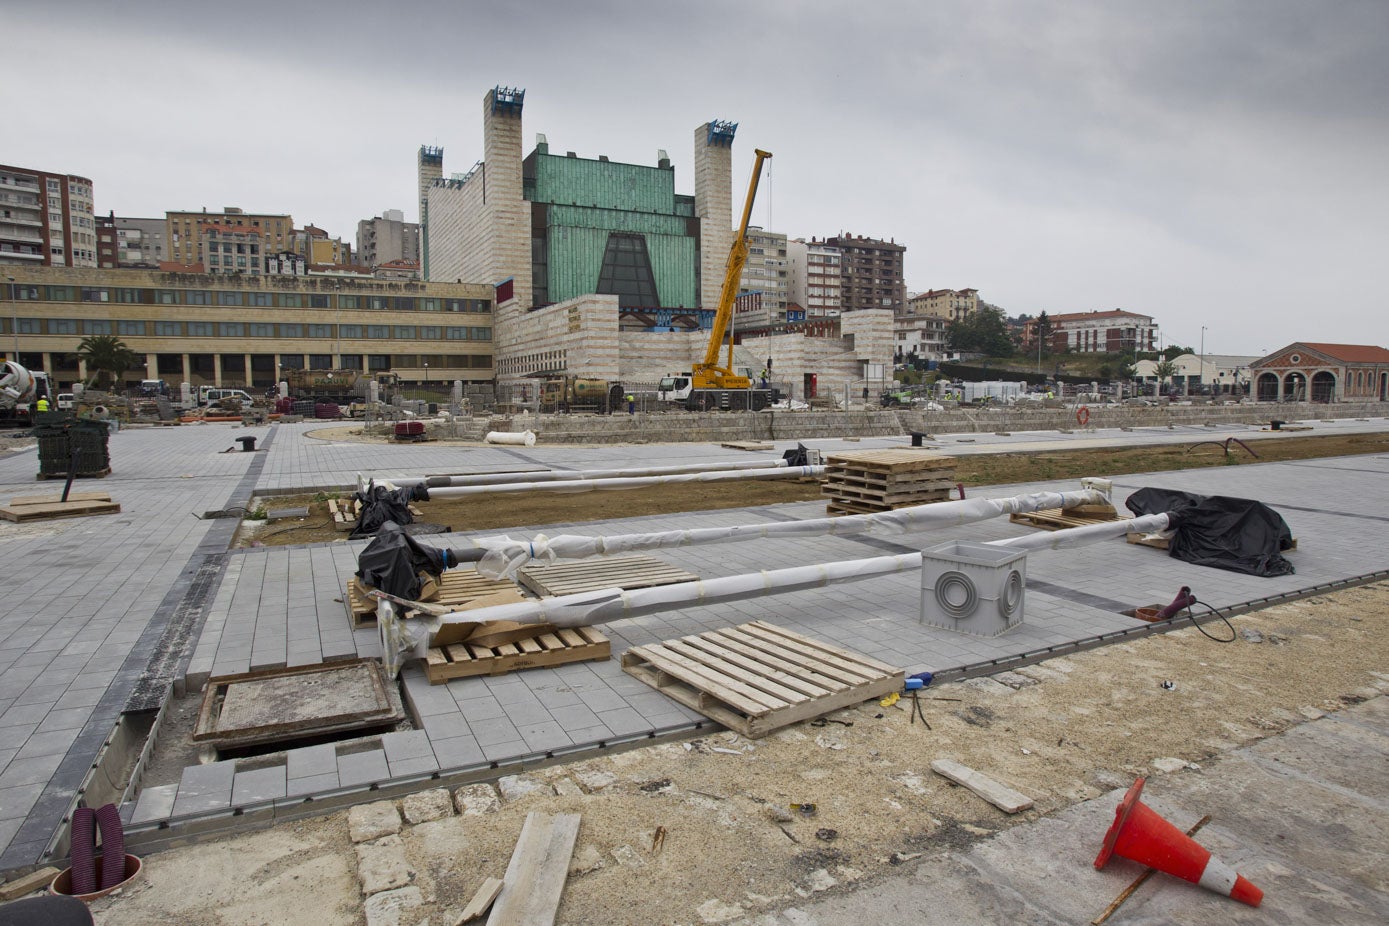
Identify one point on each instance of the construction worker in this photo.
(42, 404)
(631, 404)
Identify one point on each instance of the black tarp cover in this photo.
(393, 561)
(381, 504)
(1238, 534)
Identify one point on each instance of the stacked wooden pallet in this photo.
(864, 481)
(635, 571)
(758, 677)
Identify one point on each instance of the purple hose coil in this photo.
(112, 846)
(83, 850)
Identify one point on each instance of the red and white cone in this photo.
(1141, 834)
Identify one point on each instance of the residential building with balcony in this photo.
(183, 234)
(953, 305)
(871, 273)
(387, 238)
(140, 243)
(228, 249)
(46, 219)
(814, 275)
(766, 271)
(1108, 332)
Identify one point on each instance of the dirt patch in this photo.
(1093, 722)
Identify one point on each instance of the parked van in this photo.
(66, 401)
(210, 395)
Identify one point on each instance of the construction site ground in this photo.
(97, 602)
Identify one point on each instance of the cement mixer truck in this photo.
(20, 388)
(576, 394)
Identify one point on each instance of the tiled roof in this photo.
(1351, 353)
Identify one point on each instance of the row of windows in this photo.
(162, 329)
(252, 298)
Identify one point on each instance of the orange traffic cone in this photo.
(1141, 834)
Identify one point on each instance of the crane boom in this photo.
(709, 375)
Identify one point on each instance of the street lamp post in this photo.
(1203, 358)
(14, 317)
(426, 372)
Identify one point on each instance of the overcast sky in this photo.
(1216, 164)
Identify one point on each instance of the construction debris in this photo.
(534, 880)
(1001, 796)
(481, 902)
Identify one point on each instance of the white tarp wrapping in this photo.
(636, 482)
(502, 557)
(1080, 536)
(483, 479)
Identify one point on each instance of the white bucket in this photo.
(524, 438)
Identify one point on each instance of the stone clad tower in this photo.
(713, 149)
(508, 214)
(429, 166)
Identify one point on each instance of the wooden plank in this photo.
(839, 651)
(27, 884)
(754, 680)
(481, 902)
(534, 880)
(747, 445)
(1000, 795)
(50, 499)
(26, 513)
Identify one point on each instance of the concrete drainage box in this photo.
(973, 587)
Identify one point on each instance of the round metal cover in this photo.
(1010, 595)
(956, 595)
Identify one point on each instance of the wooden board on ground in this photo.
(534, 879)
(636, 571)
(1000, 795)
(757, 677)
(27, 884)
(562, 646)
(1055, 519)
(482, 901)
(1164, 543)
(747, 445)
(50, 499)
(23, 513)
(457, 588)
(892, 460)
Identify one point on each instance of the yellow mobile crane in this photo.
(711, 386)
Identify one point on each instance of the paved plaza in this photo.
(104, 613)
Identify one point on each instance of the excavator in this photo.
(710, 385)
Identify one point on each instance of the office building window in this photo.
(291, 361)
(378, 362)
(378, 332)
(95, 295)
(482, 334)
(429, 304)
(262, 330)
(228, 298)
(291, 331)
(291, 301)
(130, 329)
(320, 361)
(171, 329)
(259, 300)
(231, 330)
(378, 302)
(96, 326)
(349, 331)
(320, 331)
(129, 296)
(349, 302)
(166, 297)
(404, 332)
(431, 332)
(456, 334)
(62, 326)
(60, 294)
(29, 326)
(405, 303)
(198, 297)
(200, 329)
(318, 302)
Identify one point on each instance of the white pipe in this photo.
(478, 479)
(588, 485)
(499, 557)
(525, 438)
(1081, 536)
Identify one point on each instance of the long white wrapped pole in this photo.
(1090, 533)
(499, 557)
(483, 479)
(635, 482)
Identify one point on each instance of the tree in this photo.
(106, 356)
(1044, 330)
(1164, 371)
(984, 331)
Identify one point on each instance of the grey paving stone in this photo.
(363, 768)
(258, 786)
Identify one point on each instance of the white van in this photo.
(211, 395)
(66, 401)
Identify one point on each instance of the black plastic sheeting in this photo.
(380, 504)
(1238, 534)
(393, 561)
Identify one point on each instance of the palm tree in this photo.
(107, 356)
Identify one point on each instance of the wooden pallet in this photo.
(51, 499)
(457, 588)
(52, 510)
(460, 660)
(635, 571)
(758, 677)
(95, 474)
(865, 481)
(1055, 519)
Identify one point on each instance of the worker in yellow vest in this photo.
(42, 404)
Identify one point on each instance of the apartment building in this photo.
(183, 234)
(766, 271)
(871, 272)
(813, 269)
(318, 247)
(1113, 331)
(46, 219)
(140, 243)
(953, 305)
(918, 336)
(245, 331)
(387, 238)
(231, 249)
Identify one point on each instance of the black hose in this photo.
(1217, 613)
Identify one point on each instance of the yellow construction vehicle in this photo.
(711, 385)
